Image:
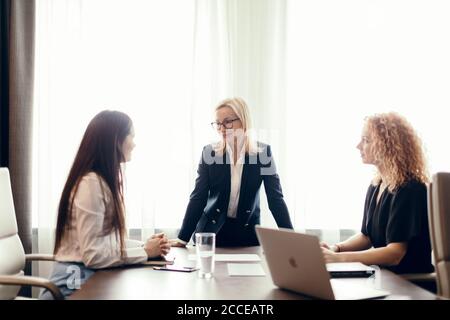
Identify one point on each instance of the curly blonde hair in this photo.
(397, 148)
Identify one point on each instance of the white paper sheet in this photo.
(232, 257)
(245, 270)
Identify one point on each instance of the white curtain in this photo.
(134, 56)
(240, 51)
(166, 64)
(347, 60)
(309, 70)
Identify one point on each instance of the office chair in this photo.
(439, 222)
(427, 280)
(12, 255)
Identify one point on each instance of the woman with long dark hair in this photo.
(90, 231)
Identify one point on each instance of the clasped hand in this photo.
(157, 245)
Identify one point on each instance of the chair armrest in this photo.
(31, 281)
(419, 277)
(426, 281)
(39, 257)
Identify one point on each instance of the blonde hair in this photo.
(397, 148)
(240, 108)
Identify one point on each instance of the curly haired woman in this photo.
(394, 231)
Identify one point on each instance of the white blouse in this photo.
(85, 240)
(236, 177)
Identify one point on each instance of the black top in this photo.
(400, 216)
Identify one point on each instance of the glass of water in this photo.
(205, 244)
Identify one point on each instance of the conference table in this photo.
(145, 283)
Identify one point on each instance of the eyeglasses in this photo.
(228, 124)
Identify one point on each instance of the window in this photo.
(310, 71)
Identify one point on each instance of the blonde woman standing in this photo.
(394, 231)
(225, 199)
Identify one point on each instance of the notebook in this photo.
(349, 270)
(245, 270)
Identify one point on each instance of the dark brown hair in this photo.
(100, 152)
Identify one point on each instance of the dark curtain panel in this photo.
(17, 49)
(4, 82)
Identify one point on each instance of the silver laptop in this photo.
(296, 263)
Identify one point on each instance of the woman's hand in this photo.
(157, 235)
(331, 256)
(164, 245)
(333, 248)
(156, 246)
(176, 243)
(324, 245)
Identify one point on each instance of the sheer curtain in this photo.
(309, 70)
(347, 60)
(240, 49)
(134, 56)
(166, 64)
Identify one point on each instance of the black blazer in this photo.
(208, 205)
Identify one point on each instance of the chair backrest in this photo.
(12, 256)
(439, 222)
